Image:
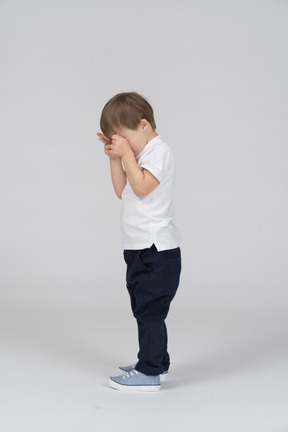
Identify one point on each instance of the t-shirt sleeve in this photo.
(158, 162)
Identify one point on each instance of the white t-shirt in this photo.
(150, 219)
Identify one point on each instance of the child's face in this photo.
(136, 138)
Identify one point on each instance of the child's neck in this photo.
(151, 136)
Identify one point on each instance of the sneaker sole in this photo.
(147, 388)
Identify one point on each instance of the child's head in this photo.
(125, 111)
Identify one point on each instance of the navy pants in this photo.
(152, 280)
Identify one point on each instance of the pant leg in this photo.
(152, 282)
(166, 358)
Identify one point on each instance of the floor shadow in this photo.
(225, 363)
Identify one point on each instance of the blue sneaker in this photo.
(135, 381)
(131, 367)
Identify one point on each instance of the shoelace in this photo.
(129, 374)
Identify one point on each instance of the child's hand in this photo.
(103, 138)
(119, 146)
(106, 143)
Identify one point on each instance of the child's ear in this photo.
(143, 123)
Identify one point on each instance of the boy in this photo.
(143, 172)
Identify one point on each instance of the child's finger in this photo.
(102, 136)
(103, 140)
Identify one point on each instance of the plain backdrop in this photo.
(215, 73)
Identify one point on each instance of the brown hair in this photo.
(126, 110)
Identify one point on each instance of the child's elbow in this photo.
(144, 190)
(138, 191)
(139, 195)
(141, 192)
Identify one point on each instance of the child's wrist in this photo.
(128, 155)
(114, 158)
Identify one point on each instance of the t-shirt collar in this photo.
(148, 145)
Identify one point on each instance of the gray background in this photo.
(215, 73)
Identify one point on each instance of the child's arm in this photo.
(118, 175)
(141, 181)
